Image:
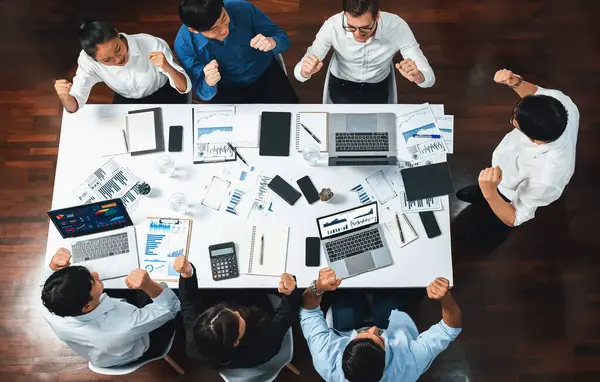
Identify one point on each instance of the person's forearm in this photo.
(70, 103)
(505, 211)
(153, 289)
(451, 313)
(178, 78)
(525, 89)
(310, 300)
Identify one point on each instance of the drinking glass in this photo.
(165, 165)
(179, 203)
(311, 154)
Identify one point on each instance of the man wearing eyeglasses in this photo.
(535, 161)
(364, 42)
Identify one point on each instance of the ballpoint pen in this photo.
(311, 134)
(409, 224)
(426, 136)
(237, 153)
(262, 248)
(125, 138)
(400, 229)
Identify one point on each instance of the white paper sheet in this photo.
(246, 130)
(446, 126)
(141, 132)
(420, 121)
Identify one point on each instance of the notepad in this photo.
(408, 231)
(316, 123)
(273, 248)
(246, 130)
(127, 134)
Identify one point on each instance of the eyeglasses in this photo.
(379, 331)
(362, 30)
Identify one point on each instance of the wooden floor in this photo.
(531, 304)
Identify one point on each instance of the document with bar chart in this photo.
(110, 181)
(166, 239)
(418, 132)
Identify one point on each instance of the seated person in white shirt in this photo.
(139, 68)
(106, 331)
(364, 42)
(370, 353)
(535, 161)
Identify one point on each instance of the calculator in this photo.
(223, 261)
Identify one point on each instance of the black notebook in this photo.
(427, 181)
(275, 132)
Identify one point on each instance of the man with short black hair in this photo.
(364, 42)
(228, 49)
(106, 331)
(392, 351)
(535, 161)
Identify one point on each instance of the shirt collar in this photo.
(132, 45)
(106, 305)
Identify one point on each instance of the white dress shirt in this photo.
(116, 332)
(368, 62)
(138, 78)
(535, 175)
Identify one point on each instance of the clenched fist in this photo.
(489, 179)
(211, 73)
(506, 77)
(327, 280)
(409, 70)
(287, 284)
(183, 267)
(61, 259)
(158, 59)
(137, 279)
(311, 65)
(62, 87)
(438, 289)
(262, 43)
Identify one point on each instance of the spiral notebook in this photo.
(316, 123)
(269, 240)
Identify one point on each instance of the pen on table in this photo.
(237, 153)
(262, 248)
(409, 224)
(426, 136)
(125, 138)
(311, 134)
(400, 229)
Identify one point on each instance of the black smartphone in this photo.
(175, 138)
(308, 189)
(313, 252)
(284, 189)
(431, 226)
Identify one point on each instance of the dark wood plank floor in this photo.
(531, 305)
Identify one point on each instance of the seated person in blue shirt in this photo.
(367, 353)
(106, 331)
(228, 49)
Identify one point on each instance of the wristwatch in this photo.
(313, 288)
(518, 83)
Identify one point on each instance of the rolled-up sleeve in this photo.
(320, 47)
(317, 335)
(164, 47)
(83, 82)
(410, 48)
(432, 342)
(163, 309)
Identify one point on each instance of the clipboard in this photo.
(166, 239)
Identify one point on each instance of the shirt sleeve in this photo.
(83, 82)
(189, 295)
(320, 47)
(164, 308)
(285, 314)
(262, 24)
(410, 48)
(164, 47)
(531, 195)
(431, 343)
(317, 334)
(194, 61)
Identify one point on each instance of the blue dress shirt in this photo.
(239, 63)
(407, 354)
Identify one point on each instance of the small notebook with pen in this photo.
(309, 128)
(408, 235)
(263, 249)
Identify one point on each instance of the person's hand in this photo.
(158, 59)
(311, 65)
(137, 279)
(438, 289)
(489, 179)
(183, 267)
(61, 259)
(327, 280)
(211, 73)
(287, 284)
(409, 70)
(62, 87)
(262, 43)
(506, 77)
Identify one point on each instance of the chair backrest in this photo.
(132, 366)
(269, 370)
(279, 59)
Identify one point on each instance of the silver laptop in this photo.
(102, 237)
(353, 241)
(362, 139)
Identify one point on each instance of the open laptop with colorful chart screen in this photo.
(102, 237)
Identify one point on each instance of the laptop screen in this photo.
(348, 221)
(90, 218)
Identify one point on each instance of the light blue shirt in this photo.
(116, 332)
(407, 354)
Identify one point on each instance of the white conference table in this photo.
(415, 265)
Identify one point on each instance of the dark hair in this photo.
(94, 33)
(67, 291)
(356, 8)
(541, 117)
(200, 14)
(363, 361)
(217, 329)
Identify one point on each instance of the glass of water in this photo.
(179, 203)
(311, 154)
(165, 165)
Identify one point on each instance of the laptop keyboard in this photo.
(362, 142)
(101, 247)
(356, 244)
